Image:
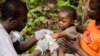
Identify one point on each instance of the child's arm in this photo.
(69, 32)
(58, 35)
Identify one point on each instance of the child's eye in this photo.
(64, 21)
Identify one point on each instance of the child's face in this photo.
(64, 20)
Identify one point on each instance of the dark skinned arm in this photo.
(58, 35)
(80, 28)
(81, 52)
(21, 48)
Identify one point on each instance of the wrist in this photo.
(34, 38)
(36, 53)
(39, 48)
(81, 52)
(58, 35)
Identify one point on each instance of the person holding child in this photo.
(90, 40)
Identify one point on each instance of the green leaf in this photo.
(63, 3)
(39, 19)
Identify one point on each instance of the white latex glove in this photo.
(42, 45)
(46, 31)
(41, 33)
(51, 42)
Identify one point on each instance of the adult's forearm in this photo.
(80, 28)
(27, 44)
(81, 52)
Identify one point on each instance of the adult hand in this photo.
(42, 45)
(41, 33)
(74, 45)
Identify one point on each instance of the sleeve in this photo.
(6, 48)
(4, 51)
(71, 32)
(14, 36)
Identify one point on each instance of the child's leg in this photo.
(60, 51)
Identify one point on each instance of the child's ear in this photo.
(73, 21)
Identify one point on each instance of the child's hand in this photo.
(55, 35)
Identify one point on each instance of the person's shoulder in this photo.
(92, 22)
(91, 25)
(70, 28)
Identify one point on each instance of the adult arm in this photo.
(20, 48)
(81, 52)
(80, 28)
(74, 45)
(42, 45)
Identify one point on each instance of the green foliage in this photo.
(67, 3)
(39, 8)
(63, 3)
(34, 15)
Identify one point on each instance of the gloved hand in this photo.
(41, 33)
(42, 45)
(51, 42)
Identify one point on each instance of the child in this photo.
(67, 17)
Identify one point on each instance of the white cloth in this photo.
(6, 43)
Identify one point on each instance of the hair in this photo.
(95, 5)
(10, 8)
(71, 12)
